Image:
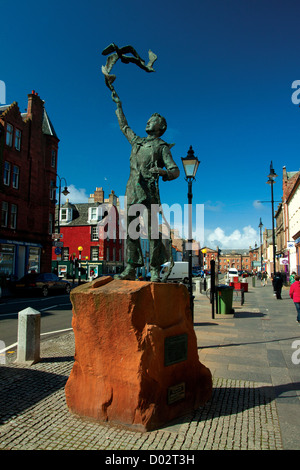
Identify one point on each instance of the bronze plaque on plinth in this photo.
(176, 393)
(176, 349)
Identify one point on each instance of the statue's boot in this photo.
(128, 274)
(155, 274)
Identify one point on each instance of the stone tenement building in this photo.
(28, 163)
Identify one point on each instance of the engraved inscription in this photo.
(176, 393)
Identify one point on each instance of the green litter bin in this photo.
(225, 297)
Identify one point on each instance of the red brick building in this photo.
(79, 227)
(242, 260)
(28, 162)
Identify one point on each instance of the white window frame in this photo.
(94, 253)
(94, 233)
(93, 214)
(68, 213)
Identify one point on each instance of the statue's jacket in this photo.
(146, 153)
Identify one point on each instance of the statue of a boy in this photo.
(149, 156)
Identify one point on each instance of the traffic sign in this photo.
(60, 244)
(57, 236)
(57, 251)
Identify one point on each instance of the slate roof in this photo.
(80, 214)
(47, 126)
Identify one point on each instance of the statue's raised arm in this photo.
(127, 131)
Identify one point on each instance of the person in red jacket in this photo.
(295, 295)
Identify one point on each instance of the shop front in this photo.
(18, 258)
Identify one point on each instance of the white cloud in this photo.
(237, 239)
(257, 205)
(213, 206)
(75, 195)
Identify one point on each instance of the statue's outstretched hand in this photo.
(158, 171)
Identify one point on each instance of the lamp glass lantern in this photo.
(190, 164)
(65, 192)
(272, 175)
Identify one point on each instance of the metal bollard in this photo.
(29, 329)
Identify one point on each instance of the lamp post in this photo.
(272, 175)
(190, 165)
(65, 192)
(260, 236)
(79, 264)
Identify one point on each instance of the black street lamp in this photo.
(260, 235)
(272, 175)
(190, 165)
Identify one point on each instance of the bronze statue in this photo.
(149, 156)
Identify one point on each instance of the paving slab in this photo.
(254, 406)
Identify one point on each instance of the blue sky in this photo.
(223, 81)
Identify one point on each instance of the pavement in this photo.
(254, 360)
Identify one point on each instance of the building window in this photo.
(107, 253)
(66, 214)
(93, 214)
(94, 233)
(15, 180)
(18, 135)
(53, 158)
(13, 216)
(6, 175)
(94, 253)
(9, 135)
(34, 258)
(52, 190)
(4, 214)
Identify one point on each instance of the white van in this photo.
(180, 271)
(232, 272)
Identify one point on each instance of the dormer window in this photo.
(93, 214)
(66, 214)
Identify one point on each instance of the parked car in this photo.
(41, 283)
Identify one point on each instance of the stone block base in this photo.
(136, 356)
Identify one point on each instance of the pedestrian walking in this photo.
(295, 295)
(264, 278)
(277, 285)
(292, 277)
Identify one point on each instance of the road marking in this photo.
(41, 310)
(42, 334)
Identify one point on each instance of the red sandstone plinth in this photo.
(127, 336)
